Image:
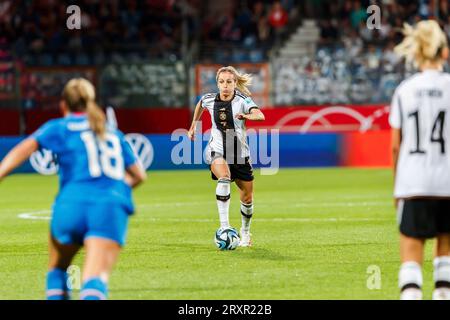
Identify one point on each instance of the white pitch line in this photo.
(38, 215)
(323, 219)
(343, 204)
(272, 219)
(32, 215)
(295, 205)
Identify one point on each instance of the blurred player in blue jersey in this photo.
(97, 170)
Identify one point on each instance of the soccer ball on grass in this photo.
(226, 238)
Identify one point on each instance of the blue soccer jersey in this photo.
(90, 169)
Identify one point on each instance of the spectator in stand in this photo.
(258, 11)
(328, 31)
(444, 11)
(228, 27)
(314, 8)
(365, 33)
(291, 9)
(389, 56)
(385, 28)
(278, 19)
(131, 18)
(357, 15)
(259, 22)
(373, 58)
(263, 30)
(352, 43)
(447, 27)
(424, 9)
(345, 10)
(244, 23)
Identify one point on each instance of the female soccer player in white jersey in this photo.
(419, 118)
(97, 169)
(227, 152)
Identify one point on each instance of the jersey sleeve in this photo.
(201, 102)
(203, 98)
(49, 136)
(249, 104)
(129, 157)
(395, 114)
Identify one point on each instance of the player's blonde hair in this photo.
(243, 80)
(79, 95)
(422, 43)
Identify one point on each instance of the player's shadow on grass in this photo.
(258, 253)
(160, 292)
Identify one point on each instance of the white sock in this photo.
(223, 201)
(410, 280)
(441, 272)
(246, 213)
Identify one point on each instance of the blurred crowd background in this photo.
(318, 51)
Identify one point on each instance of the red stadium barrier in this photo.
(321, 119)
(368, 149)
(9, 122)
(287, 119)
(365, 130)
(153, 120)
(357, 149)
(35, 118)
(129, 120)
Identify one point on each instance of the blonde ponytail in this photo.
(243, 80)
(96, 118)
(79, 95)
(422, 43)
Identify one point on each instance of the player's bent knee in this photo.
(247, 200)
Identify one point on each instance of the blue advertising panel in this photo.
(176, 151)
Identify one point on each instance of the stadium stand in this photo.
(143, 52)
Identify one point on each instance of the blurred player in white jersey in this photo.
(420, 114)
(227, 152)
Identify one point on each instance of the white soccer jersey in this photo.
(421, 109)
(228, 136)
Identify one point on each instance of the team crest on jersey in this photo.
(222, 116)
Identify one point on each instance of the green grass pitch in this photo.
(315, 233)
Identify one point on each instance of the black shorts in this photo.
(424, 218)
(242, 171)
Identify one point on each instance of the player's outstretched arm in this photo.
(135, 175)
(197, 114)
(17, 155)
(254, 115)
